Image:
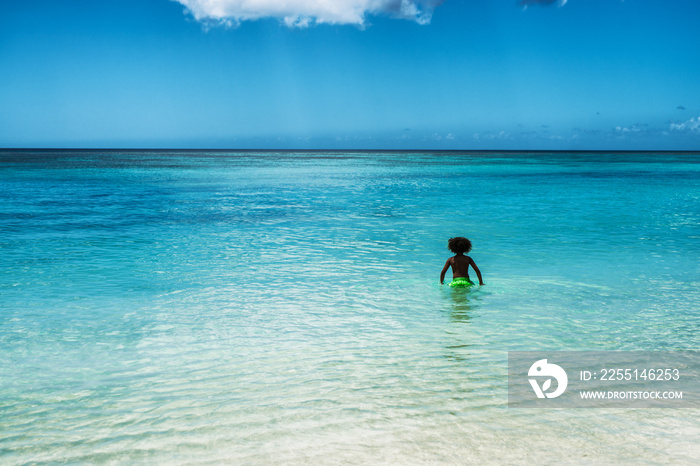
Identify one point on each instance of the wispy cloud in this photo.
(637, 128)
(490, 135)
(526, 3)
(690, 126)
(302, 13)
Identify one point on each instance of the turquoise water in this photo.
(272, 307)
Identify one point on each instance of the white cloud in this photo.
(302, 13)
(692, 125)
(525, 3)
(637, 129)
(488, 135)
(626, 130)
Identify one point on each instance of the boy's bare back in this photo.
(460, 263)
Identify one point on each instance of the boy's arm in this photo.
(444, 270)
(476, 269)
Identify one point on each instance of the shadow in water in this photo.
(460, 307)
(459, 310)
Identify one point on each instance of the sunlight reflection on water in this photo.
(264, 308)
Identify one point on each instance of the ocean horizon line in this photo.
(355, 150)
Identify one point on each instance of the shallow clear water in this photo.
(257, 307)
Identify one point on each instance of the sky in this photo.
(351, 74)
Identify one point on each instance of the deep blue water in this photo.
(256, 307)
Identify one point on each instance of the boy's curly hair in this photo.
(459, 245)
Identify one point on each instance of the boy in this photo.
(460, 263)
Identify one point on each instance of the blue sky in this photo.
(368, 74)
